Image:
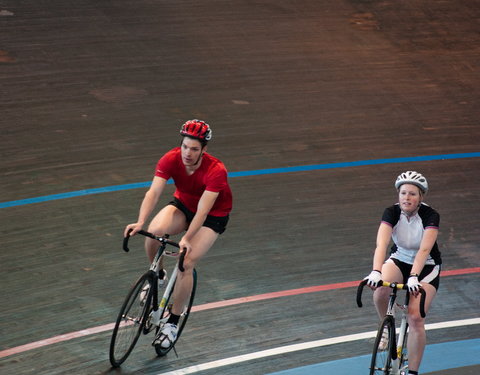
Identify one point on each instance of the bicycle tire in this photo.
(183, 318)
(130, 322)
(382, 357)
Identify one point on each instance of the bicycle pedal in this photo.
(159, 339)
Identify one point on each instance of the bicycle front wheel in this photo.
(130, 322)
(183, 318)
(383, 348)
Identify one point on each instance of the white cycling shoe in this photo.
(167, 336)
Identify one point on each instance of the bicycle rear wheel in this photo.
(183, 318)
(130, 322)
(383, 349)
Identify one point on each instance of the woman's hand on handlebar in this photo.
(373, 279)
(414, 285)
(132, 229)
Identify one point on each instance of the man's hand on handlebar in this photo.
(185, 245)
(132, 229)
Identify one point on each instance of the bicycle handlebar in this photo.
(163, 240)
(397, 286)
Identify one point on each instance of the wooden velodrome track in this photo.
(92, 93)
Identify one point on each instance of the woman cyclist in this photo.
(414, 257)
(200, 207)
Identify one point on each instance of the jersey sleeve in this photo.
(217, 179)
(432, 220)
(164, 166)
(390, 216)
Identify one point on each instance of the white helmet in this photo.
(414, 178)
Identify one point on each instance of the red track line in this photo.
(463, 271)
(283, 293)
(208, 306)
(311, 289)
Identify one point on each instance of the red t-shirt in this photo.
(211, 176)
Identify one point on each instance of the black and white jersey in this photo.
(408, 232)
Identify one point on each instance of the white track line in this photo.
(304, 346)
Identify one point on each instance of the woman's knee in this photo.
(416, 322)
(381, 294)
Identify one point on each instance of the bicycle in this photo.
(140, 314)
(392, 358)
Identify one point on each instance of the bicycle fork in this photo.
(396, 370)
(160, 307)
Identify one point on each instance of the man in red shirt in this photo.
(201, 206)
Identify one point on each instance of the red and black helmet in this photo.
(196, 129)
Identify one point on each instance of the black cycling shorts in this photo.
(216, 223)
(430, 273)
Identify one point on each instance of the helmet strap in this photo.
(199, 158)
